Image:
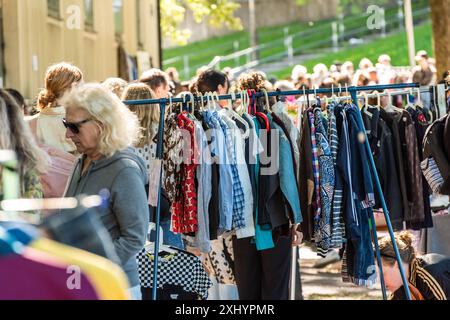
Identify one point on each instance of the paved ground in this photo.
(326, 283)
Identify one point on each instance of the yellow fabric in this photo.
(107, 278)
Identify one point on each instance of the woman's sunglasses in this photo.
(74, 126)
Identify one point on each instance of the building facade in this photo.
(105, 38)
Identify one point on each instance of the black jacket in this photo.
(382, 146)
(392, 122)
(430, 274)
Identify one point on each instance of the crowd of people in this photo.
(82, 139)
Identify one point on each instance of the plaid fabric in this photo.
(315, 166)
(238, 191)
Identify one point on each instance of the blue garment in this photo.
(8, 243)
(22, 232)
(322, 225)
(288, 181)
(238, 191)
(170, 238)
(353, 162)
(220, 155)
(263, 236)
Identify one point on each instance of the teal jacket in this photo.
(288, 181)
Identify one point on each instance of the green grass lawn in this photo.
(395, 45)
(314, 35)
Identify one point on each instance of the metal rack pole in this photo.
(159, 156)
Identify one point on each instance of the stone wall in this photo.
(268, 13)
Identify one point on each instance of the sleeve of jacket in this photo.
(391, 186)
(428, 286)
(129, 205)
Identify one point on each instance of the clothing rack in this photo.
(351, 91)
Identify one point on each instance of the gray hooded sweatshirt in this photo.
(126, 217)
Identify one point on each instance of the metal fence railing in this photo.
(335, 35)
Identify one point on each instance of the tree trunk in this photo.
(440, 16)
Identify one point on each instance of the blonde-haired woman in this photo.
(104, 130)
(148, 116)
(116, 85)
(428, 276)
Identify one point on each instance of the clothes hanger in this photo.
(206, 105)
(328, 99)
(243, 105)
(266, 96)
(252, 93)
(378, 100)
(339, 97)
(366, 98)
(190, 114)
(316, 98)
(366, 105)
(305, 100)
(389, 107)
(410, 104)
(419, 99)
(216, 98)
(192, 101)
(202, 102)
(347, 95)
(210, 101)
(237, 117)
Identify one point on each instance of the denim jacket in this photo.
(219, 152)
(359, 198)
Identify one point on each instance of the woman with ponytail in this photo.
(48, 126)
(428, 275)
(49, 130)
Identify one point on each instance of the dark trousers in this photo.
(262, 275)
